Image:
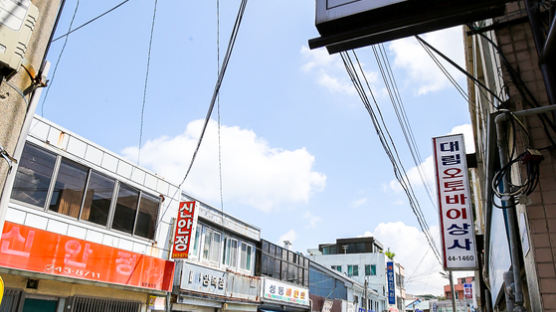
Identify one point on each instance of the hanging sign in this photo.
(456, 214)
(185, 228)
(391, 283)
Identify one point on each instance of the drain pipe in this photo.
(500, 121)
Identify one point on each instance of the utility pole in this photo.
(365, 295)
(454, 308)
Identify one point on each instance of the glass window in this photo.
(126, 207)
(353, 270)
(207, 243)
(33, 175)
(246, 251)
(147, 216)
(211, 247)
(337, 268)
(68, 190)
(97, 199)
(230, 252)
(373, 269)
(367, 269)
(196, 242)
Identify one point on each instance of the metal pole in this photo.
(365, 294)
(454, 307)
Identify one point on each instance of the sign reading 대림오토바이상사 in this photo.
(185, 229)
(456, 213)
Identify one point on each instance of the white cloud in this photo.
(412, 252)
(422, 71)
(427, 166)
(330, 73)
(312, 220)
(254, 173)
(290, 236)
(359, 202)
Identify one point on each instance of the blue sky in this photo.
(300, 158)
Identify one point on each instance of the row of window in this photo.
(215, 248)
(353, 269)
(284, 264)
(51, 182)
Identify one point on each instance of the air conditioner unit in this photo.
(18, 19)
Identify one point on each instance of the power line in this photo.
(146, 84)
(218, 109)
(58, 60)
(387, 143)
(224, 66)
(89, 21)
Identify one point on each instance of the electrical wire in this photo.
(386, 141)
(146, 84)
(58, 61)
(224, 66)
(89, 21)
(218, 107)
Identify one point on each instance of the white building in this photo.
(361, 259)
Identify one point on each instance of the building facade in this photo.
(84, 227)
(514, 136)
(219, 274)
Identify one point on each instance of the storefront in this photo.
(203, 289)
(283, 297)
(46, 271)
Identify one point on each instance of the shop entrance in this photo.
(39, 305)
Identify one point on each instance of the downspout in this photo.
(509, 201)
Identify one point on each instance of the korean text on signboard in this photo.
(456, 215)
(35, 250)
(391, 283)
(280, 291)
(468, 291)
(185, 226)
(202, 279)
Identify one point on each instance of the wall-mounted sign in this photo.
(456, 213)
(31, 249)
(468, 291)
(391, 282)
(280, 291)
(185, 228)
(202, 279)
(243, 287)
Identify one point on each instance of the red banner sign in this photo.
(31, 249)
(185, 225)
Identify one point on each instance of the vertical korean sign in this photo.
(391, 283)
(185, 229)
(456, 214)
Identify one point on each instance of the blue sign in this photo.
(434, 307)
(391, 284)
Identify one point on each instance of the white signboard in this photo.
(456, 213)
(280, 291)
(329, 10)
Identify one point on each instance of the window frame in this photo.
(108, 227)
(251, 260)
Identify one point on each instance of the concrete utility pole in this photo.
(454, 307)
(365, 295)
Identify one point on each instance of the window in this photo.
(245, 262)
(211, 247)
(370, 269)
(126, 208)
(197, 241)
(353, 270)
(337, 268)
(147, 216)
(230, 252)
(68, 190)
(96, 207)
(80, 192)
(33, 176)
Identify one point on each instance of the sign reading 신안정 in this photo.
(185, 228)
(456, 214)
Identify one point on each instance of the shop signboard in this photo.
(157, 303)
(456, 213)
(185, 228)
(202, 279)
(30, 249)
(283, 292)
(391, 282)
(243, 287)
(468, 291)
